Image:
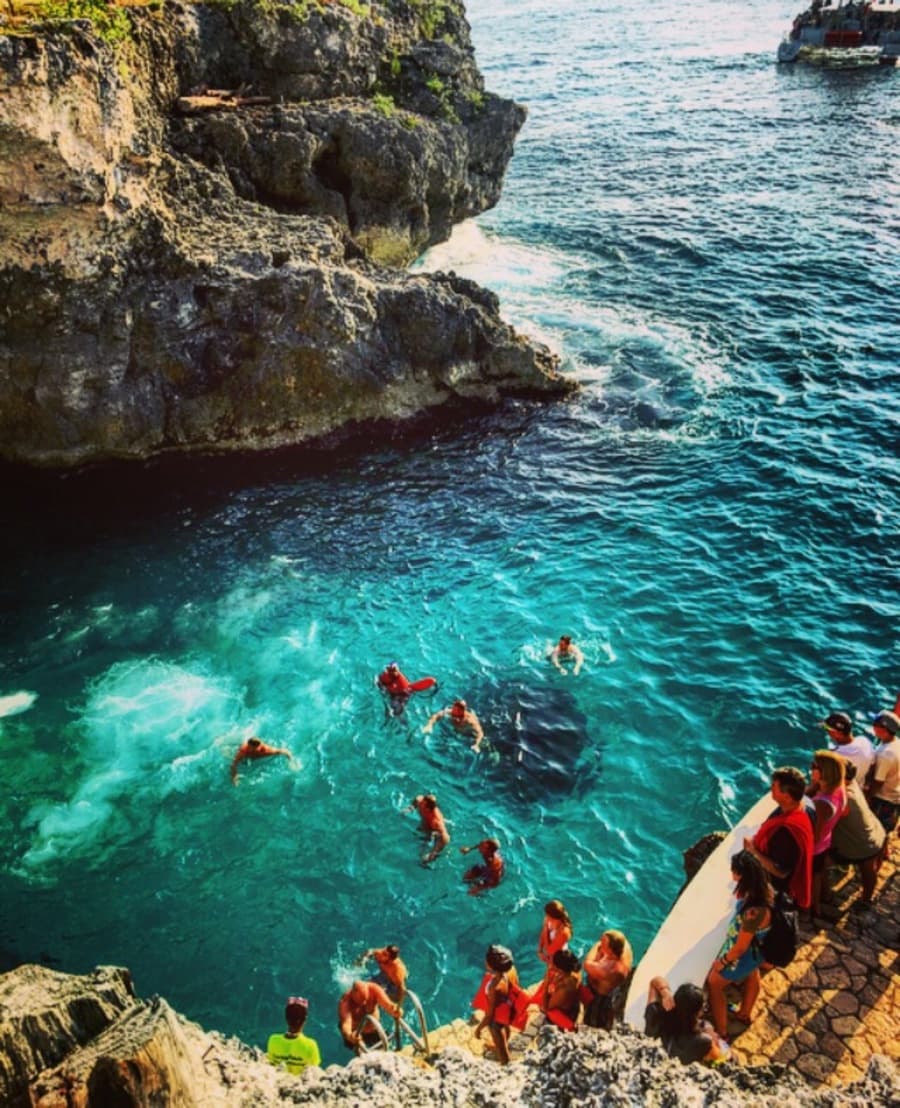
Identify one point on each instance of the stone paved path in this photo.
(839, 1001)
(825, 1014)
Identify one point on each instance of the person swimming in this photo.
(463, 719)
(566, 651)
(488, 875)
(255, 748)
(433, 824)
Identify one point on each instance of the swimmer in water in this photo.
(392, 971)
(253, 749)
(397, 687)
(566, 650)
(433, 824)
(486, 876)
(463, 719)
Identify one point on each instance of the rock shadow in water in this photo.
(538, 741)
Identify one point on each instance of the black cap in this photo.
(839, 721)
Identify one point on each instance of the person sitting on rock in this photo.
(560, 993)
(607, 967)
(677, 1020)
(556, 930)
(253, 749)
(293, 1050)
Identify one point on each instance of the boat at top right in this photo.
(833, 33)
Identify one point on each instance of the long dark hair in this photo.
(499, 958)
(684, 1018)
(555, 909)
(754, 887)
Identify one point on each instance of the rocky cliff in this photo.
(88, 1042)
(202, 224)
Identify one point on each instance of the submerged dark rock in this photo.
(224, 280)
(540, 734)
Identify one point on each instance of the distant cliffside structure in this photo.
(202, 224)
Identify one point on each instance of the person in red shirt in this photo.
(396, 685)
(432, 824)
(255, 748)
(784, 843)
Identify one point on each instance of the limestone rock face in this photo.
(88, 1042)
(228, 279)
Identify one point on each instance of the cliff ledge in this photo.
(88, 1042)
(203, 224)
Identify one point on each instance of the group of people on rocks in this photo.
(843, 812)
(591, 989)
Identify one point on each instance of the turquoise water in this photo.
(711, 243)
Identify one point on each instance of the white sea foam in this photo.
(16, 703)
(148, 729)
(518, 273)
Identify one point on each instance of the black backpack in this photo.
(780, 944)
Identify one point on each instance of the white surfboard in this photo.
(690, 937)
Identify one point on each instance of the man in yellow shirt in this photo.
(293, 1050)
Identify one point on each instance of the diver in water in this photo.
(463, 719)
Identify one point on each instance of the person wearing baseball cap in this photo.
(293, 1050)
(855, 748)
(883, 792)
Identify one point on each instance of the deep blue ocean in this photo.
(711, 243)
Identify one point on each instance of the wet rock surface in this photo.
(229, 280)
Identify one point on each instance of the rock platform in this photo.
(824, 1016)
(838, 1003)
